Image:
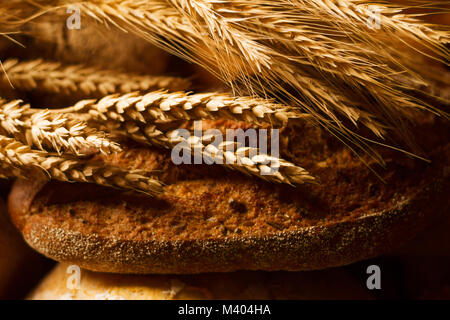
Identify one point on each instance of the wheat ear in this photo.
(89, 82)
(50, 132)
(227, 153)
(25, 162)
(162, 106)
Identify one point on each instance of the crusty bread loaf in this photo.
(210, 220)
(328, 284)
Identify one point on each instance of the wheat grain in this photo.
(242, 52)
(79, 80)
(50, 132)
(25, 162)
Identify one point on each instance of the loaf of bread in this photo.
(68, 282)
(211, 220)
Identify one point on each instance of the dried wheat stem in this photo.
(25, 162)
(227, 153)
(89, 82)
(163, 106)
(50, 132)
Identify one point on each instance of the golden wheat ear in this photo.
(50, 132)
(162, 106)
(319, 56)
(79, 80)
(343, 55)
(26, 162)
(243, 159)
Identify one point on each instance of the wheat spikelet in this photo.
(42, 129)
(25, 162)
(227, 153)
(89, 82)
(243, 56)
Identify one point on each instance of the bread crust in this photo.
(277, 228)
(306, 249)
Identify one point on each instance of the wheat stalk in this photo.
(162, 106)
(49, 132)
(89, 82)
(25, 162)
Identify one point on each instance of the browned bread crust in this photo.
(211, 221)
